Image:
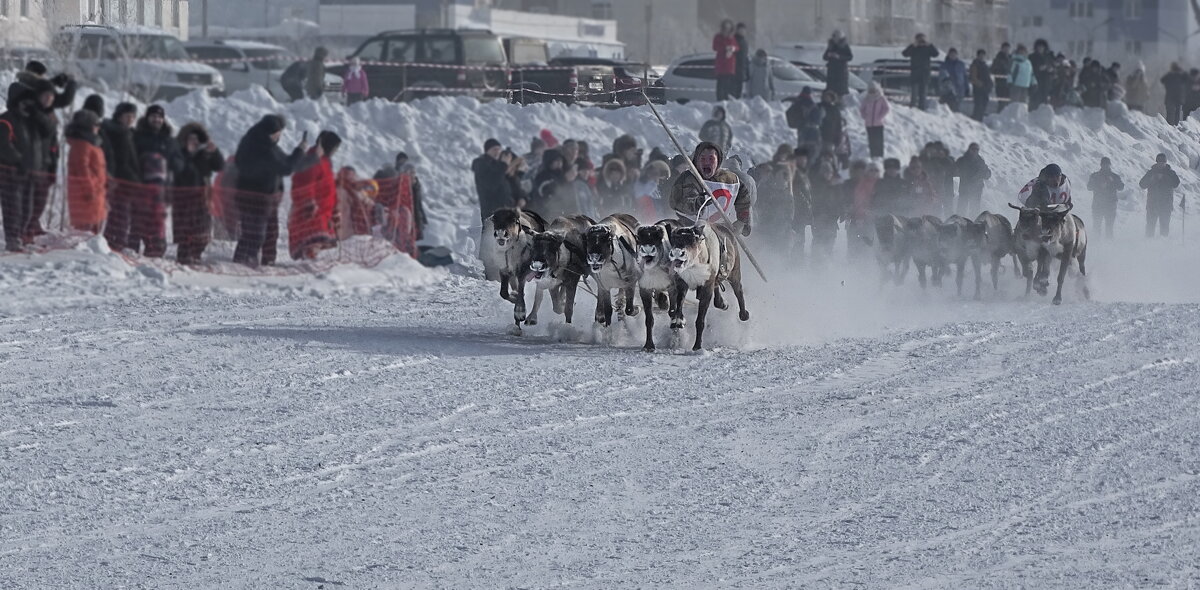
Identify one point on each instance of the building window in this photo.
(3, 7)
(602, 9)
(1133, 47)
(1081, 48)
(175, 13)
(1133, 9)
(1031, 21)
(158, 7)
(141, 12)
(24, 7)
(1081, 9)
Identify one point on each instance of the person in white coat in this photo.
(762, 78)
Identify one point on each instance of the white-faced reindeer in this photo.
(657, 280)
(702, 257)
(557, 264)
(510, 251)
(613, 263)
(1050, 232)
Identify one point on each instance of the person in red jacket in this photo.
(314, 200)
(87, 173)
(726, 47)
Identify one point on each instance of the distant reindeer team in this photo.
(1041, 235)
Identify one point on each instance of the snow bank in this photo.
(443, 135)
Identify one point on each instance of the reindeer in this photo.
(997, 243)
(613, 263)
(558, 263)
(657, 279)
(891, 247)
(960, 239)
(512, 233)
(1057, 234)
(702, 257)
(922, 237)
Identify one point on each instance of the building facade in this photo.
(168, 15)
(660, 30)
(1155, 32)
(23, 24)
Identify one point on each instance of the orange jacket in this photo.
(87, 179)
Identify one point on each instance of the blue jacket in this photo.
(955, 71)
(1022, 72)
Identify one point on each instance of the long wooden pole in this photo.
(707, 190)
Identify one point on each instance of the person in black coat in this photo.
(26, 128)
(1001, 70)
(920, 56)
(261, 167)
(837, 64)
(191, 220)
(833, 124)
(1176, 84)
(971, 171)
(742, 61)
(544, 197)
(893, 192)
(158, 159)
(492, 186)
(980, 76)
(1042, 60)
(64, 94)
(1105, 186)
(1160, 184)
(124, 174)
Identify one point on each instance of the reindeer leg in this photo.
(902, 270)
(603, 305)
(532, 319)
(631, 308)
(1063, 265)
(505, 282)
(977, 265)
(519, 304)
(681, 291)
(556, 297)
(704, 293)
(996, 262)
(743, 314)
(1027, 271)
(1087, 294)
(718, 299)
(920, 273)
(958, 275)
(646, 302)
(1042, 279)
(570, 288)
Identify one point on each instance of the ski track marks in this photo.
(256, 441)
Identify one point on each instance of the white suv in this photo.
(149, 63)
(250, 63)
(693, 77)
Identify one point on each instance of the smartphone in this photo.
(304, 138)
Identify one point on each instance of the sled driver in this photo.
(1051, 187)
(688, 195)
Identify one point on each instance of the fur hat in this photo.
(156, 109)
(36, 67)
(490, 143)
(85, 118)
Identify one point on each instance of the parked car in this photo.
(15, 58)
(533, 80)
(855, 83)
(249, 63)
(405, 65)
(893, 75)
(693, 78)
(149, 63)
(608, 80)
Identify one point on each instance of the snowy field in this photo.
(382, 428)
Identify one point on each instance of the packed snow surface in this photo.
(383, 428)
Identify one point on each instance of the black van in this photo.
(404, 65)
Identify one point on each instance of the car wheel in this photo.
(681, 101)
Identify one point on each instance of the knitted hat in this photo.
(95, 104)
(490, 143)
(124, 108)
(155, 109)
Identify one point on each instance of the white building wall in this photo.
(28, 29)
